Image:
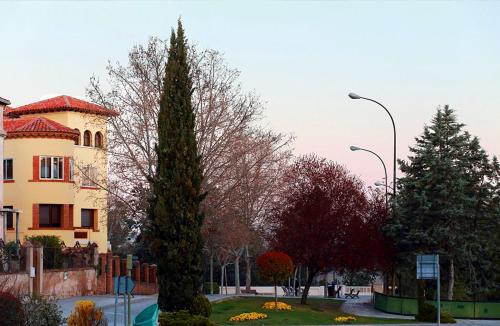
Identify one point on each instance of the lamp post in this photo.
(357, 97)
(355, 148)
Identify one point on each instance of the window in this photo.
(98, 140)
(89, 176)
(87, 218)
(77, 141)
(50, 215)
(8, 169)
(71, 168)
(87, 138)
(51, 167)
(10, 218)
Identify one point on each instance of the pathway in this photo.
(107, 303)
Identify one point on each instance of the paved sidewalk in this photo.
(107, 303)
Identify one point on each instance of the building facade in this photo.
(3, 104)
(55, 170)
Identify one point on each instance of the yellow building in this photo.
(55, 170)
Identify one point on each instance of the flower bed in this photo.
(345, 319)
(279, 305)
(248, 316)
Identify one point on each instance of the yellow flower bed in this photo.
(248, 316)
(84, 312)
(281, 306)
(345, 319)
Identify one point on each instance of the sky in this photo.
(302, 58)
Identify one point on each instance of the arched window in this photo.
(87, 138)
(98, 139)
(77, 141)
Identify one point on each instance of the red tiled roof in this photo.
(37, 127)
(61, 103)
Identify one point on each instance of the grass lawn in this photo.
(316, 312)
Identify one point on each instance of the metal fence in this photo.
(63, 257)
(12, 257)
(458, 309)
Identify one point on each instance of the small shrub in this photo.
(201, 306)
(428, 313)
(206, 287)
(12, 310)
(182, 318)
(41, 311)
(86, 314)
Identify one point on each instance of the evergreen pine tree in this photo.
(445, 205)
(175, 214)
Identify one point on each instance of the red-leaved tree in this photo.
(323, 220)
(274, 267)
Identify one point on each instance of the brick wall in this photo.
(143, 275)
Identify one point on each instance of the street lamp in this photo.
(355, 96)
(355, 148)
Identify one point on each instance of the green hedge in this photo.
(457, 309)
(206, 287)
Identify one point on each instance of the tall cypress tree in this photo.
(175, 214)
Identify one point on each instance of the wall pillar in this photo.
(145, 272)
(152, 274)
(38, 261)
(29, 264)
(109, 273)
(136, 272)
(116, 265)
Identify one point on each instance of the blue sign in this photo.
(427, 267)
(123, 285)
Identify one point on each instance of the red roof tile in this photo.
(61, 103)
(37, 127)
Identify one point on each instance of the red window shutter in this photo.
(36, 216)
(36, 168)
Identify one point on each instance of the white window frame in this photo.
(71, 168)
(8, 159)
(89, 174)
(52, 159)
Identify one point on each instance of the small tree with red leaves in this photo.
(275, 267)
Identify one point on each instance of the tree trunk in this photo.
(420, 294)
(225, 276)
(212, 273)
(295, 281)
(303, 300)
(451, 281)
(275, 297)
(237, 275)
(222, 267)
(393, 276)
(248, 271)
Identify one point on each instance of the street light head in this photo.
(354, 148)
(379, 183)
(354, 96)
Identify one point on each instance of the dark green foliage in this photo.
(428, 313)
(12, 311)
(41, 311)
(206, 287)
(448, 203)
(182, 318)
(174, 211)
(201, 306)
(52, 250)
